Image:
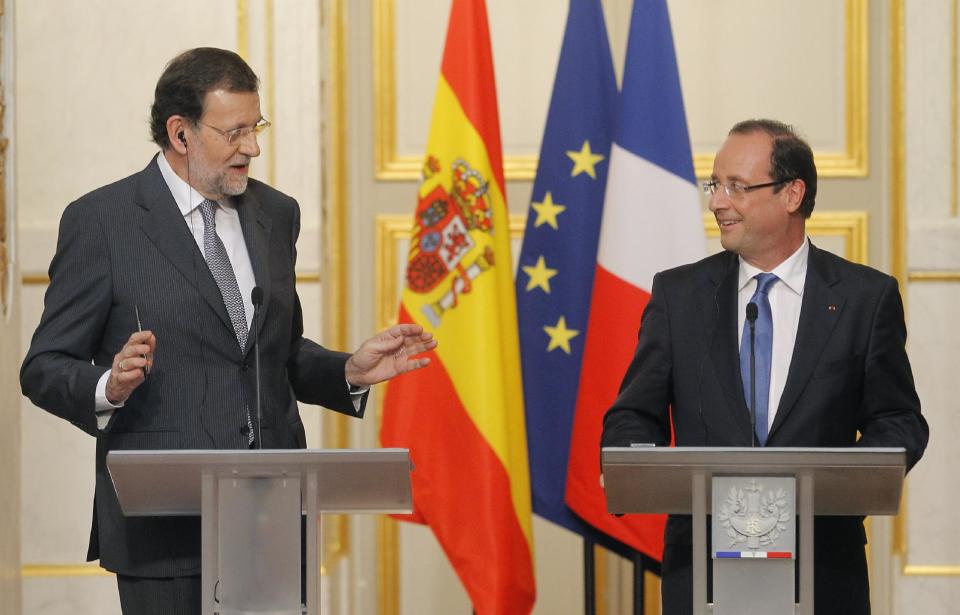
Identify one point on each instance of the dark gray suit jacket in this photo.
(849, 373)
(127, 245)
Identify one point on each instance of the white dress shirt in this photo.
(786, 296)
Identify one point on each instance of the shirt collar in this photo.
(792, 272)
(186, 197)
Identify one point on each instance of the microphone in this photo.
(256, 297)
(752, 312)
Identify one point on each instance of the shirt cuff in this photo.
(102, 405)
(356, 395)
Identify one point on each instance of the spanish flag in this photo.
(462, 418)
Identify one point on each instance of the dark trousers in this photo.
(164, 596)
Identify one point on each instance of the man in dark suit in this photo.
(179, 249)
(834, 336)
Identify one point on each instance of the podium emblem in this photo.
(754, 518)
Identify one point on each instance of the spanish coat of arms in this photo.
(448, 247)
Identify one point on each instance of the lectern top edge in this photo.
(794, 457)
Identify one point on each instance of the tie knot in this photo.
(765, 281)
(207, 210)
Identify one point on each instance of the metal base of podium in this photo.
(254, 567)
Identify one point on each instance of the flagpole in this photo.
(639, 568)
(589, 579)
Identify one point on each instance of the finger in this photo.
(136, 350)
(139, 337)
(143, 338)
(405, 329)
(414, 349)
(412, 364)
(385, 344)
(132, 374)
(133, 363)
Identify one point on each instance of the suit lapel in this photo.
(820, 311)
(725, 352)
(256, 233)
(164, 225)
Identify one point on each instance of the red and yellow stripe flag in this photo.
(462, 417)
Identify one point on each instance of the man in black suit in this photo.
(837, 364)
(179, 248)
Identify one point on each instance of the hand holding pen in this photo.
(132, 364)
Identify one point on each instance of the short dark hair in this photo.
(187, 80)
(791, 157)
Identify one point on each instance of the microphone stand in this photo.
(752, 320)
(257, 298)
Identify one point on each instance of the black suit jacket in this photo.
(849, 373)
(127, 245)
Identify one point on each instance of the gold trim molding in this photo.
(933, 570)
(898, 257)
(334, 196)
(28, 571)
(243, 34)
(391, 165)
(933, 276)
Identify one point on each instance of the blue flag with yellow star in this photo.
(558, 257)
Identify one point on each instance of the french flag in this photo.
(651, 221)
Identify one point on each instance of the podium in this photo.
(250, 505)
(755, 495)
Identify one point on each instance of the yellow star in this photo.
(547, 211)
(560, 335)
(584, 161)
(540, 276)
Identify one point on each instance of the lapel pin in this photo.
(832, 308)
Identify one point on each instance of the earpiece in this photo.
(181, 138)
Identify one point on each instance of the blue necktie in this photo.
(763, 349)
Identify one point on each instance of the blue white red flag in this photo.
(651, 221)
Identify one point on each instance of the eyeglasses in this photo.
(735, 190)
(238, 134)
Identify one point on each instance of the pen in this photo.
(136, 311)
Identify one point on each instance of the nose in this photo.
(249, 145)
(718, 201)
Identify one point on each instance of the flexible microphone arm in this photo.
(256, 297)
(752, 312)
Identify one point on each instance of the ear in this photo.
(794, 193)
(176, 125)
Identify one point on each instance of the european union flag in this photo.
(558, 257)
